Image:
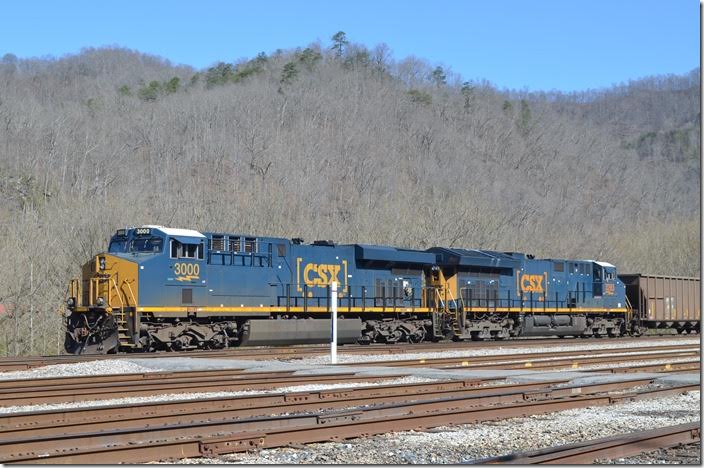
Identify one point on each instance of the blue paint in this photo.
(244, 270)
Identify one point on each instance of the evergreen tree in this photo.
(172, 85)
(288, 74)
(507, 107)
(525, 117)
(467, 91)
(309, 57)
(339, 41)
(438, 76)
(150, 92)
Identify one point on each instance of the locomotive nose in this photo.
(107, 283)
(101, 303)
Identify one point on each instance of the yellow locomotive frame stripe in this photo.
(342, 309)
(267, 309)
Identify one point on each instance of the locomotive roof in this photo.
(177, 232)
(381, 253)
(474, 257)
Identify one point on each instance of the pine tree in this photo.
(339, 41)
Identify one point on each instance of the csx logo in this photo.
(315, 274)
(532, 283)
(321, 274)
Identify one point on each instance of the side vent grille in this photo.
(217, 243)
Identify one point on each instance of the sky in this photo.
(530, 44)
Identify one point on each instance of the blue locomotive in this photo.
(159, 288)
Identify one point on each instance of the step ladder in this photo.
(123, 337)
(456, 320)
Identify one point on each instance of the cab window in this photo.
(118, 245)
(597, 273)
(181, 250)
(147, 244)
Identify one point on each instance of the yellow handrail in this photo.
(122, 304)
(629, 309)
(457, 309)
(134, 299)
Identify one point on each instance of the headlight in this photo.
(100, 301)
(70, 302)
(102, 263)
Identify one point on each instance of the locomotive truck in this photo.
(159, 288)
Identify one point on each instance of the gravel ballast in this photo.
(196, 396)
(511, 348)
(688, 454)
(121, 366)
(449, 445)
(101, 367)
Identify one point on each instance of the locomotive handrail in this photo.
(394, 304)
(122, 305)
(75, 291)
(629, 311)
(134, 299)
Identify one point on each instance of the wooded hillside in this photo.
(332, 141)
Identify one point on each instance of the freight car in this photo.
(664, 304)
(159, 288)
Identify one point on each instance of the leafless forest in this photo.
(331, 141)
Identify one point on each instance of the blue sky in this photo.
(538, 44)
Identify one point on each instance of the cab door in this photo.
(186, 272)
(609, 281)
(597, 280)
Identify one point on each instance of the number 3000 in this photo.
(187, 269)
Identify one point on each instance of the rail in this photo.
(621, 445)
(207, 437)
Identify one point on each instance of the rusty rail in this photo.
(621, 445)
(68, 389)
(28, 395)
(534, 358)
(226, 436)
(81, 420)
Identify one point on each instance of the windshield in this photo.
(118, 245)
(148, 244)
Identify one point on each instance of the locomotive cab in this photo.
(605, 283)
(102, 303)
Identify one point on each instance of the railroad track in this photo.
(103, 387)
(209, 426)
(353, 414)
(35, 391)
(92, 419)
(557, 359)
(292, 352)
(621, 445)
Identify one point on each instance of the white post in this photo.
(333, 319)
(31, 308)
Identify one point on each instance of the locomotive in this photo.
(159, 288)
